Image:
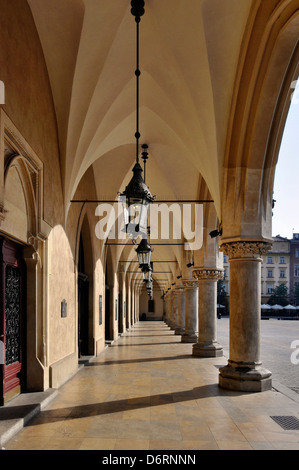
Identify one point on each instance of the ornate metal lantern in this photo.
(136, 200)
(147, 273)
(144, 252)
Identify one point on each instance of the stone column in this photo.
(175, 310)
(166, 300)
(191, 302)
(244, 371)
(207, 345)
(171, 314)
(180, 329)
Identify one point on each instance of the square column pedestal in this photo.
(244, 371)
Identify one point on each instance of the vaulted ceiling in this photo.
(189, 54)
(189, 59)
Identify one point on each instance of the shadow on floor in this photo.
(117, 406)
(137, 361)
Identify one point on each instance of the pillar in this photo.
(191, 302)
(207, 345)
(171, 310)
(166, 300)
(175, 310)
(244, 371)
(36, 360)
(180, 329)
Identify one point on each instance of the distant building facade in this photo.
(279, 266)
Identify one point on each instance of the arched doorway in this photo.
(85, 293)
(83, 304)
(13, 321)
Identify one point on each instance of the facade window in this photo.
(296, 270)
(282, 273)
(270, 272)
(270, 289)
(225, 259)
(270, 259)
(297, 253)
(282, 260)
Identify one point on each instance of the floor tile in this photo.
(138, 395)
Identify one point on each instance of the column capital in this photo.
(190, 283)
(245, 249)
(209, 274)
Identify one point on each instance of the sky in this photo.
(285, 220)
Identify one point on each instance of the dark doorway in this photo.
(12, 320)
(83, 304)
(120, 314)
(107, 313)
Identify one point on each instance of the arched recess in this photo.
(21, 220)
(85, 292)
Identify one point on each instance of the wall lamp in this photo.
(189, 265)
(216, 233)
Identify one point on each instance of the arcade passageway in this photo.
(148, 392)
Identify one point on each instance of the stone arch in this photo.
(270, 59)
(20, 204)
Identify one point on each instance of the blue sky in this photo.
(286, 185)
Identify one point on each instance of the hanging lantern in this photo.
(149, 288)
(144, 252)
(135, 201)
(147, 273)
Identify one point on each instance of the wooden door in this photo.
(11, 317)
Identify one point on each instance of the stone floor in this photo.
(147, 392)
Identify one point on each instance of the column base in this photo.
(179, 331)
(245, 377)
(189, 339)
(207, 350)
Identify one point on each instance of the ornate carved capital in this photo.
(245, 249)
(208, 274)
(190, 283)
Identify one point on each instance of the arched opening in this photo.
(285, 219)
(285, 222)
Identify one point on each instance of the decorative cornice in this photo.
(245, 249)
(208, 274)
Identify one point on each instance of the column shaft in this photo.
(244, 370)
(191, 303)
(207, 345)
